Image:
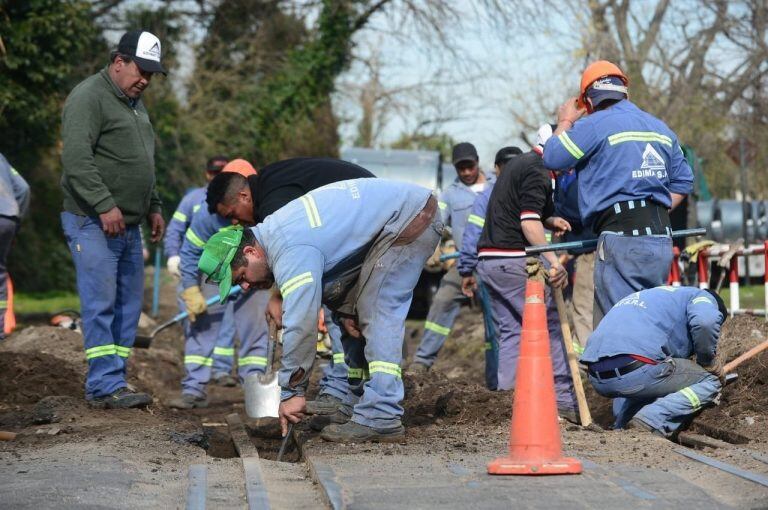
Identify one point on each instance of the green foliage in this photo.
(47, 47)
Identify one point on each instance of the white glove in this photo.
(173, 266)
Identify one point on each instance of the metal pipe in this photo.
(591, 243)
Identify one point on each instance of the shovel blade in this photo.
(262, 396)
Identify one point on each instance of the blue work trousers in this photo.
(110, 283)
(626, 264)
(203, 334)
(374, 360)
(335, 381)
(442, 313)
(662, 396)
(506, 279)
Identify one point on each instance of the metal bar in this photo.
(156, 281)
(197, 487)
(723, 466)
(591, 243)
(333, 493)
(255, 490)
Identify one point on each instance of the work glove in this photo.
(716, 369)
(194, 301)
(173, 266)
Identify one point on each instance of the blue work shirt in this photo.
(177, 227)
(201, 227)
(475, 222)
(455, 205)
(307, 242)
(14, 191)
(620, 153)
(567, 207)
(659, 323)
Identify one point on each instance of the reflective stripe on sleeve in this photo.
(198, 360)
(194, 239)
(639, 136)
(702, 299)
(14, 171)
(385, 367)
(99, 351)
(252, 360)
(338, 357)
(224, 351)
(437, 328)
(195, 208)
(296, 282)
(180, 216)
(571, 147)
(311, 209)
(692, 397)
(476, 220)
(441, 205)
(123, 352)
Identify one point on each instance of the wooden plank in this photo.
(197, 487)
(240, 437)
(700, 441)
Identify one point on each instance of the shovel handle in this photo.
(754, 351)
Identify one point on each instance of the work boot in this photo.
(638, 424)
(123, 398)
(417, 368)
(323, 404)
(225, 380)
(342, 415)
(568, 414)
(353, 432)
(187, 401)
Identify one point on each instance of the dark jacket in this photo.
(109, 152)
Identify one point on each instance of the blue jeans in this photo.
(625, 264)
(110, 282)
(382, 309)
(662, 396)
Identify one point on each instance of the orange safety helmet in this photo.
(239, 166)
(594, 72)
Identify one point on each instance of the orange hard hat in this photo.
(594, 72)
(239, 166)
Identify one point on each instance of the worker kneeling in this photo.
(641, 352)
(357, 246)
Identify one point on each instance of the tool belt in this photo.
(634, 218)
(616, 366)
(418, 225)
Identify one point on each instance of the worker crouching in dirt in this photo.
(357, 246)
(640, 356)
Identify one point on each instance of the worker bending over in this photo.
(194, 199)
(358, 246)
(640, 355)
(519, 208)
(202, 330)
(455, 206)
(631, 172)
(247, 200)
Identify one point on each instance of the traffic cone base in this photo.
(510, 466)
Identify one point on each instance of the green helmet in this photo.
(217, 257)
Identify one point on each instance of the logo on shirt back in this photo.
(653, 165)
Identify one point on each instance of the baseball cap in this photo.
(608, 87)
(505, 154)
(464, 151)
(240, 166)
(144, 48)
(217, 257)
(216, 164)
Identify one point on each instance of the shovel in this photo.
(143, 342)
(262, 393)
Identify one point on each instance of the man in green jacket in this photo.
(109, 189)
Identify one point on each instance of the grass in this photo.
(45, 302)
(752, 296)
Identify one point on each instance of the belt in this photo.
(616, 372)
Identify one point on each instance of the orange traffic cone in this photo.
(10, 317)
(535, 447)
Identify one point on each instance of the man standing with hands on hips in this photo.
(109, 189)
